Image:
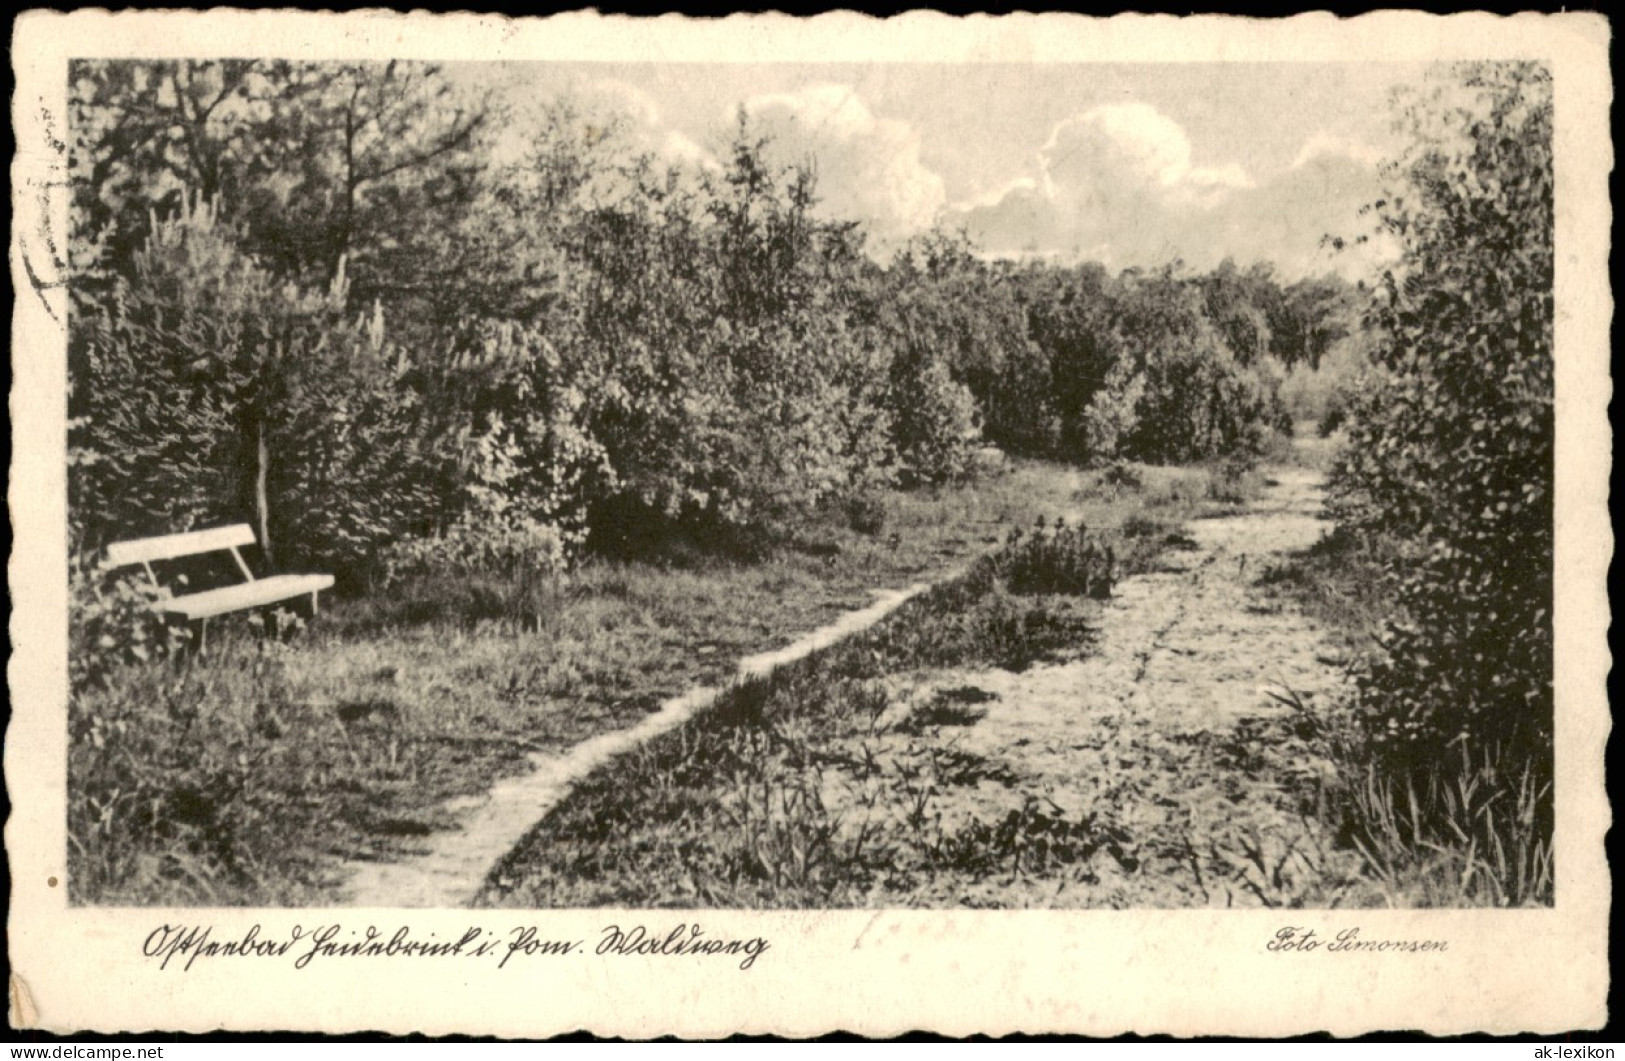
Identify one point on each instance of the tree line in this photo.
(312, 295)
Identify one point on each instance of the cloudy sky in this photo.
(1124, 164)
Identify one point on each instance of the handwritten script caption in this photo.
(1296, 940)
(181, 946)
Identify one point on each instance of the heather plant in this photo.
(178, 790)
(1066, 561)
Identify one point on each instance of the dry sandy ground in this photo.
(1166, 737)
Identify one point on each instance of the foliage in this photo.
(112, 625)
(866, 514)
(514, 565)
(582, 339)
(942, 304)
(1068, 560)
(1199, 401)
(366, 163)
(712, 329)
(1444, 755)
(1452, 454)
(1167, 365)
(205, 391)
(1112, 414)
(1094, 387)
(1470, 829)
(934, 422)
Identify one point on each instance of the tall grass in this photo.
(1472, 828)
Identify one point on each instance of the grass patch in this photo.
(1339, 584)
(819, 786)
(796, 790)
(1473, 829)
(243, 776)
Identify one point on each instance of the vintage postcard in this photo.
(660, 527)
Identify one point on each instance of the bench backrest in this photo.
(192, 543)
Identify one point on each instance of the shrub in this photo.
(934, 425)
(1067, 561)
(1449, 459)
(511, 567)
(1452, 452)
(112, 624)
(1198, 402)
(205, 391)
(1123, 476)
(866, 514)
(1113, 414)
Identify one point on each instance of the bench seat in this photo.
(196, 609)
(256, 594)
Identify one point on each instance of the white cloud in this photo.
(868, 167)
(994, 196)
(677, 147)
(646, 130)
(629, 100)
(1325, 145)
(1118, 184)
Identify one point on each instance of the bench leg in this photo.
(314, 604)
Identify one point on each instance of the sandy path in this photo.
(1168, 729)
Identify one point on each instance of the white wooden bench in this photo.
(200, 607)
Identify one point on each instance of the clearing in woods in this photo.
(1158, 767)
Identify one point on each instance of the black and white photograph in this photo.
(794, 485)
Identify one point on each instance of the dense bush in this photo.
(1198, 401)
(1452, 456)
(941, 304)
(205, 391)
(1169, 366)
(934, 425)
(1448, 473)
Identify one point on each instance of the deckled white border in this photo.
(1181, 972)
